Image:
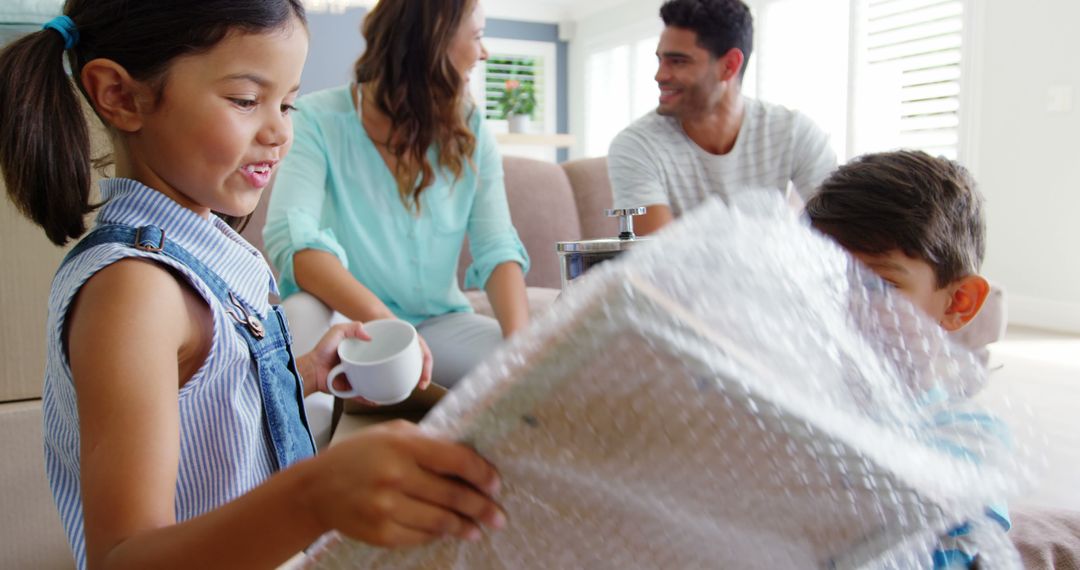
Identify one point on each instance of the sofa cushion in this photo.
(31, 260)
(592, 195)
(1047, 538)
(544, 212)
(29, 523)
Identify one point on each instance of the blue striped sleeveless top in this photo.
(224, 446)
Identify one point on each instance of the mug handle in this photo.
(334, 373)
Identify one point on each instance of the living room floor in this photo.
(1035, 385)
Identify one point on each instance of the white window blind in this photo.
(526, 61)
(527, 70)
(909, 75)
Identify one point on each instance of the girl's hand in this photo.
(392, 485)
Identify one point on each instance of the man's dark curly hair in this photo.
(720, 24)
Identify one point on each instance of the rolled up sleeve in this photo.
(492, 237)
(294, 215)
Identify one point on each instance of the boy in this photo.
(917, 222)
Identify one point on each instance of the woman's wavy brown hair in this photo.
(407, 67)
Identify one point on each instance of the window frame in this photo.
(545, 51)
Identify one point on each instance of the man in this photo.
(705, 138)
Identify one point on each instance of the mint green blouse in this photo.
(334, 192)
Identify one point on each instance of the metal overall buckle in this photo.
(245, 318)
(147, 247)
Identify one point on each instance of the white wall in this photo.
(632, 17)
(804, 67)
(545, 10)
(531, 11)
(1027, 159)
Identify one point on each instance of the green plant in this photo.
(517, 99)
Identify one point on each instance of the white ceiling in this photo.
(549, 11)
(545, 10)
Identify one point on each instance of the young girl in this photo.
(174, 426)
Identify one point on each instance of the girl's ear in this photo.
(968, 295)
(117, 98)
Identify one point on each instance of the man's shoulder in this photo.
(653, 130)
(775, 114)
(654, 121)
(764, 112)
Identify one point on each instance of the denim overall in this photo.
(269, 342)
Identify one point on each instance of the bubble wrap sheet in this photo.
(739, 393)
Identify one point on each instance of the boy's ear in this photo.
(117, 98)
(730, 64)
(968, 295)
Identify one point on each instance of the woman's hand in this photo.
(316, 364)
(392, 485)
(425, 372)
(421, 384)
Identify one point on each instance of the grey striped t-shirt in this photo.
(653, 161)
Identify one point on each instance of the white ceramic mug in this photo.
(384, 370)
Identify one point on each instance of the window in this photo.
(501, 68)
(804, 67)
(525, 61)
(522, 60)
(900, 61)
(908, 75)
(619, 89)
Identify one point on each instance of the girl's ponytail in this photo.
(44, 139)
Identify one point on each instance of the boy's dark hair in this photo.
(719, 24)
(44, 138)
(926, 207)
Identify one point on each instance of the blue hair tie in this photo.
(66, 28)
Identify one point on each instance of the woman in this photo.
(386, 178)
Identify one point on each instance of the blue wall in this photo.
(336, 43)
